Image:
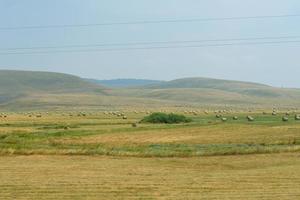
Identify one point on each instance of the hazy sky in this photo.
(275, 64)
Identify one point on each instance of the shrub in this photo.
(166, 118)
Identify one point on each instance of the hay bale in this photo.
(250, 118)
(134, 125)
(235, 118)
(297, 117)
(287, 114)
(218, 116)
(124, 117)
(285, 119)
(224, 119)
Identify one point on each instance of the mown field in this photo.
(97, 155)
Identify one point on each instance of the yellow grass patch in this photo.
(268, 177)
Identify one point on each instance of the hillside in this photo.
(124, 83)
(217, 84)
(24, 90)
(240, 87)
(28, 81)
(17, 84)
(31, 90)
(206, 91)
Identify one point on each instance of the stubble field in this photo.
(100, 155)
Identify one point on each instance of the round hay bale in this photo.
(285, 119)
(218, 116)
(250, 118)
(124, 117)
(224, 119)
(235, 118)
(297, 117)
(134, 125)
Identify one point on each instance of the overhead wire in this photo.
(144, 22)
(155, 47)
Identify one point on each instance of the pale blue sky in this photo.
(277, 65)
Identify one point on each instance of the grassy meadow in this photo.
(101, 155)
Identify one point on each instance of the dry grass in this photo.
(100, 134)
(175, 167)
(267, 177)
(217, 134)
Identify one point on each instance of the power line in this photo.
(152, 48)
(148, 22)
(150, 43)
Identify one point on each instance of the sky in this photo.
(274, 64)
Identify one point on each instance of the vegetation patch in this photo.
(162, 118)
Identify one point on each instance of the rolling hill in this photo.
(26, 90)
(31, 90)
(244, 88)
(206, 91)
(28, 82)
(16, 85)
(124, 83)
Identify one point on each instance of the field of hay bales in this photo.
(110, 155)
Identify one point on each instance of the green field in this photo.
(100, 134)
(100, 155)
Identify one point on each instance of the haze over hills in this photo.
(17, 85)
(207, 91)
(29, 81)
(245, 88)
(124, 83)
(39, 90)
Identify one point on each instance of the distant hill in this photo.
(26, 90)
(31, 90)
(211, 83)
(244, 88)
(32, 81)
(15, 84)
(206, 91)
(123, 83)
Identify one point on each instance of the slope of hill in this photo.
(28, 81)
(17, 84)
(31, 90)
(21, 90)
(240, 87)
(217, 92)
(124, 83)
